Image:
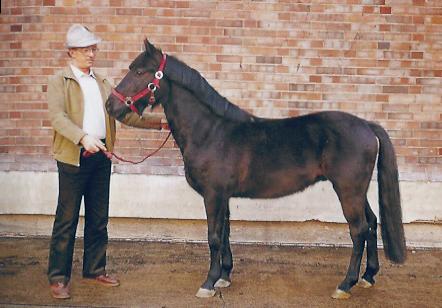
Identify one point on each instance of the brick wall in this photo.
(378, 59)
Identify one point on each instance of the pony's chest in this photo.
(204, 168)
(195, 177)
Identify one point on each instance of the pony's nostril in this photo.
(113, 110)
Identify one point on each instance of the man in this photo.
(76, 99)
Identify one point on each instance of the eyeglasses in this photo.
(88, 50)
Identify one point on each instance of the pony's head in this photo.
(142, 86)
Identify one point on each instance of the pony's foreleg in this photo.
(227, 260)
(372, 249)
(354, 212)
(216, 207)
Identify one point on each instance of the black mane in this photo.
(189, 78)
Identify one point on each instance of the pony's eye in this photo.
(139, 72)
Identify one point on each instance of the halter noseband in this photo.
(151, 88)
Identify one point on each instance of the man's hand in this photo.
(164, 124)
(92, 144)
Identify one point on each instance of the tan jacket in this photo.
(65, 103)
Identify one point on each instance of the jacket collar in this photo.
(67, 73)
(79, 73)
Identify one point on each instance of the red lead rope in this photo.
(109, 155)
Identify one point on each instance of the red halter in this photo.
(151, 88)
(130, 100)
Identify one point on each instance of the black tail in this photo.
(389, 198)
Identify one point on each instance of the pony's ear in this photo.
(150, 49)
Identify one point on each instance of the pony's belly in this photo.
(276, 189)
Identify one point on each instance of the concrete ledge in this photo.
(309, 233)
(144, 196)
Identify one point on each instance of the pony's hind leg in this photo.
(372, 249)
(354, 212)
(227, 260)
(216, 207)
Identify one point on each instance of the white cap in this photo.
(80, 36)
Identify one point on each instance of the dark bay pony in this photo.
(270, 158)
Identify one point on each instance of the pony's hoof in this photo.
(221, 283)
(339, 294)
(364, 284)
(205, 293)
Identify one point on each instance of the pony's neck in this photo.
(189, 120)
(191, 79)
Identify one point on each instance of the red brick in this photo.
(383, 45)
(418, 37)
(63, 11)
(431, 125)
(49, 2)
(419, 2)
(381, 65)
(368, 9)
(16, 11)
(382, 98)
(417, 55)
(15, 45)
(317, 79)
(230, 23)
(251, 24)
(395, 89)
(116, 3)
(269, 60)
(16, 28)
(436, 20)
(129, 11)
(418, 19)
(385, 10)
(233, 59)
(384, 28)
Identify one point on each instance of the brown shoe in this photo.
(106, 280)
(60, 290)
